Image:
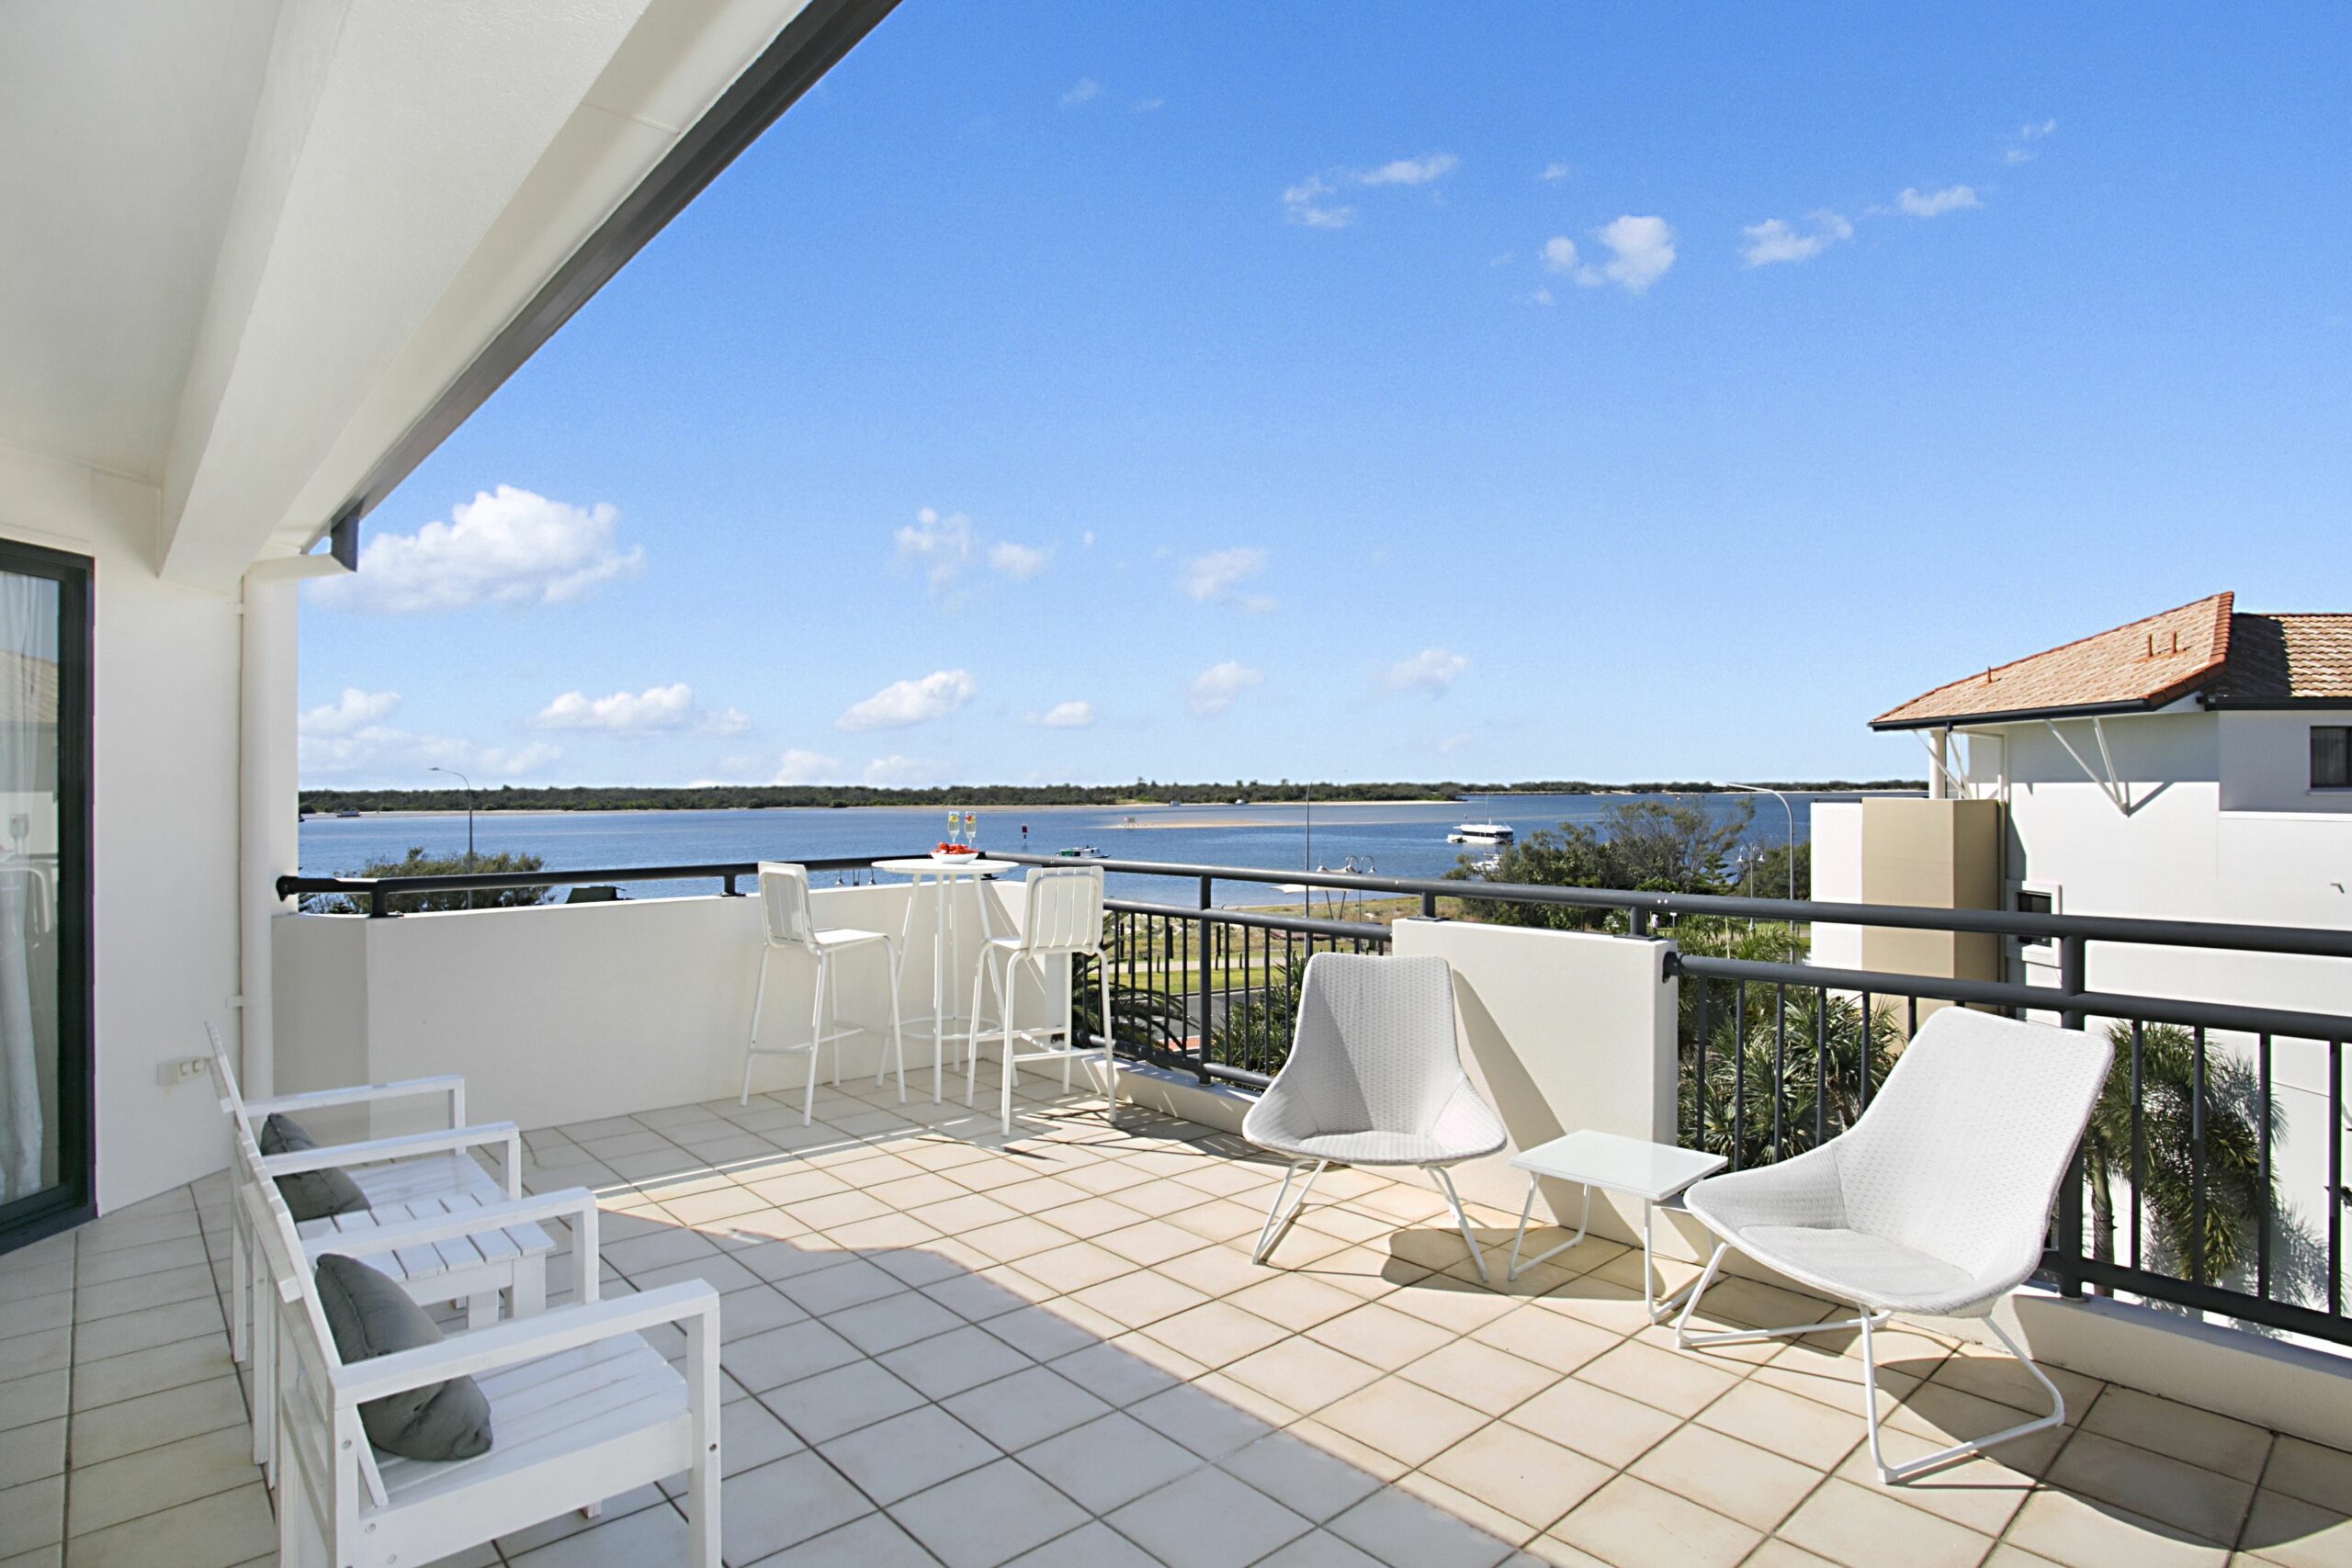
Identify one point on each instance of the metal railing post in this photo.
(2067, 1255)
(1201, 983)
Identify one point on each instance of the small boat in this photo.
(347, 813)
(1486, 866)
(1079, 851)
(1481, 833)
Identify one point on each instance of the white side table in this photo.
(1656, 1173)
(942, 877)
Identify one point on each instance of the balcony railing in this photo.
(1778, 1056)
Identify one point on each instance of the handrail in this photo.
(2044, 998)
(368, 887)
(2301, 940)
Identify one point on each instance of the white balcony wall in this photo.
(164, 946)
(570, 1012)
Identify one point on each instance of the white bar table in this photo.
(941, 876)
(1656, 1173)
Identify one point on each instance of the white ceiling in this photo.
(123, 148)
(245, 245)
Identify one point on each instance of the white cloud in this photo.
(1217, 577)
(1215, 689)
(902, 773)
(799, 767)
(1086, 540)
(1539, 296)
(1064, 715)
(1434, 670)
(354, 710)
(2018, 151)
(941, 546)
(1776, 241)
(505, 546)
(1641, 249)
(1935, 203)
(1148, 106)
(726, 721)
(1554, 172)
(1019, 562)
(656, 707)
(1310, 203)
(902, 703)
(1085, 90)
(1410, 171)
(381, 751)
(945, 546)
(1304, 204)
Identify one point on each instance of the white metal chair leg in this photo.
(1276, 1221)
(1445, 1184)
(1110, 1047)
(898, 1041)
(752, 1046)
(832, 1029)
(980, 979)
(1004, 1091)
(816, 1048)
(1686, 1340)
(1890, 1474)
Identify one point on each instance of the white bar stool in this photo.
(783, 904)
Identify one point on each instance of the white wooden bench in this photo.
(420, 1176)
(582, 1407)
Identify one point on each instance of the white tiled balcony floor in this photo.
(945, 1347)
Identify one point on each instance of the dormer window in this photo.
(2331, 756)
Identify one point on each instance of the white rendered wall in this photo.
(573, 1012)
(1560, 1030)
(2179, 854)
(1837, 879)
(163, 950)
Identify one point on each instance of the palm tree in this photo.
(2234, 1200)
(1811, 1055)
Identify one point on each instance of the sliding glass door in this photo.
(45, 1056)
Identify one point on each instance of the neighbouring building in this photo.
(2195, 766)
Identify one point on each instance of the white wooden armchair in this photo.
(581, 1408)
(481, 1247)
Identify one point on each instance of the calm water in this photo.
(1393, 840)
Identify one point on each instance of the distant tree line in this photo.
(1143, 792)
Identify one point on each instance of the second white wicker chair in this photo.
(784, 904)
(1373, 1078)
(1933, 1204)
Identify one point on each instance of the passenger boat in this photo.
(1481, 833)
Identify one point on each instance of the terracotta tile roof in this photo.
(2287, 657)
(2235, 659)
(2144, 664)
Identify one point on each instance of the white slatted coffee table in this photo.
(1656, 1173)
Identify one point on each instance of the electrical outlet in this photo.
(180, 1069)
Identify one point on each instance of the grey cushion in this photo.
(371, 1315)
(309, 1194)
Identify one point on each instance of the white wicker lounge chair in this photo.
(1933, 1204)
(1375, 1077)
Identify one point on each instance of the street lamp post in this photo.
(1791, 888)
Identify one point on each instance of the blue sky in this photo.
(1094, 392)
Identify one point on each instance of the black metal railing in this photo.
(2173, 1198)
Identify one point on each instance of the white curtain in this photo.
(28, 665)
